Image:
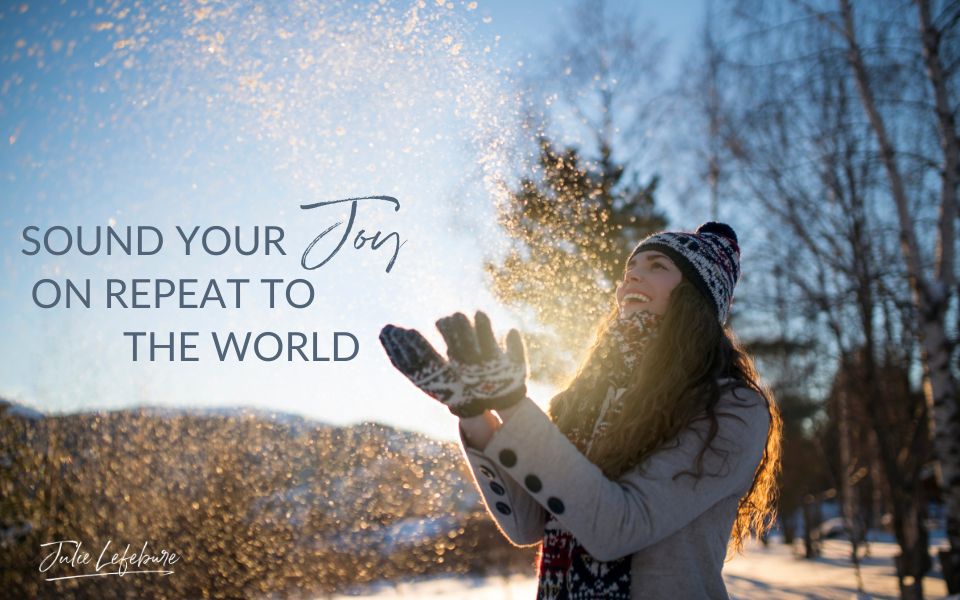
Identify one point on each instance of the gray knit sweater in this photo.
(675, 528)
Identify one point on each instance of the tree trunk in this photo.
(876, 498)
(945, 422)
(849, 497)
(811, 524)
(945, 409)
(788, 523)
(914, 561)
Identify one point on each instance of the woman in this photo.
(662, 450)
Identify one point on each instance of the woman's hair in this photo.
(674, 384)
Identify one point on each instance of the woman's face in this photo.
(647, 282)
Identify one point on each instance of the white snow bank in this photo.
(772, 573)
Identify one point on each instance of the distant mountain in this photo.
(256, 503)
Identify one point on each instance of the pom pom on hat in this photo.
(719, 229)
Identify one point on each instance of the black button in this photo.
(497, 488)
(533, 483)
(508, 457)
(556, 505)
(502, 507)
(487, 472)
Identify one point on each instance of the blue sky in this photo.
(234, 116)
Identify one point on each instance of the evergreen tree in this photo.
(571, 224)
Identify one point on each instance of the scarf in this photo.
(566, 570)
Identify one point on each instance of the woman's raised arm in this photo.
(519, 517)
(614, 518)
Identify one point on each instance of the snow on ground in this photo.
(772, 573)
(456, 588)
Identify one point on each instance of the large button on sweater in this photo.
(555, 505)
(533, 483)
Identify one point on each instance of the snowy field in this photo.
(771, 573)
(775, 573)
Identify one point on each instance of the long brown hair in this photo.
(675, 383)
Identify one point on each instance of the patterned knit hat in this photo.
(709, 258)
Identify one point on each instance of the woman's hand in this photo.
(478, 376)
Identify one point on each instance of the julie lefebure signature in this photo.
(125, 562)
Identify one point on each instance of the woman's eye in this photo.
(656, 265)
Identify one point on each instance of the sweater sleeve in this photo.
(615, 518)
(518, 516)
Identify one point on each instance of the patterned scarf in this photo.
(567, 571)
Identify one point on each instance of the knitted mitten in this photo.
(478, 376)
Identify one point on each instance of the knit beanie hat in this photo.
(709, 258)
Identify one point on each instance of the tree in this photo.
(581, 206)
(571, 228)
